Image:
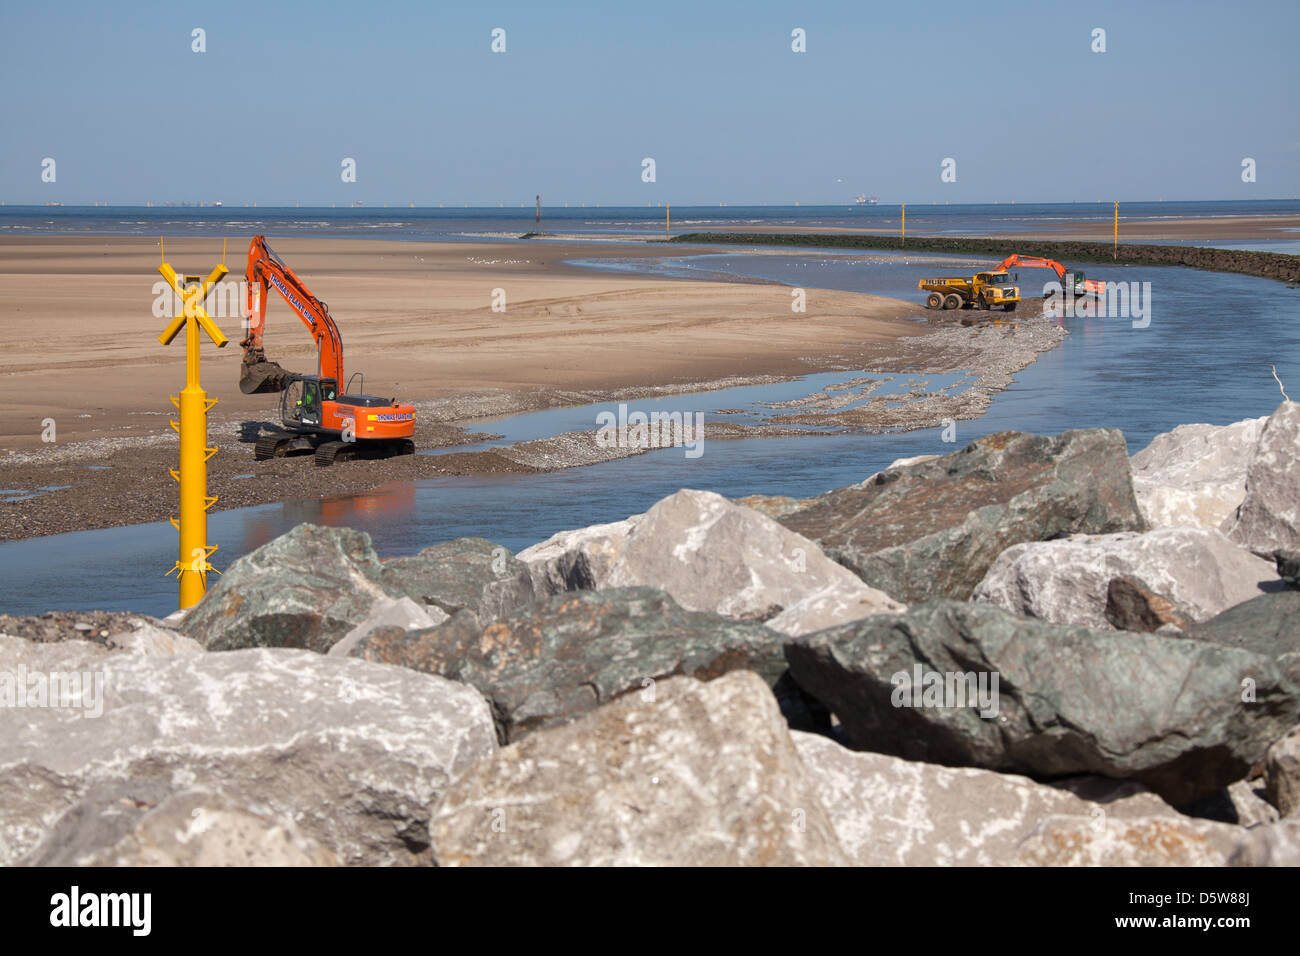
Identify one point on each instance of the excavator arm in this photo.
(1082, 285)
(265, 271)
(1030, 262)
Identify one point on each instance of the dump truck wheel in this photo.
(952, 301)
(1010, 307)
(934, 301)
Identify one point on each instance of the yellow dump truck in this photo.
(985, 290)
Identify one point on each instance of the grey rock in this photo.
(1288, 566)
(1249, 804)
(113, 826)
(713, 555)
(577, 560)
(305, 589)
(115, 630)
(18, 655)
(1268, 624)
(774, 506)
(1282, 773)
(933, 529)
(352, 752)
(1269, 515)
(400, 613)
(1277, 844)
(832, 604)
(1065, 581)
(147, 638)
(557, 659)
(704, 775)
(893, 812)
(471, 574)
(710, 554)
(1164, 711)
(1195, 475)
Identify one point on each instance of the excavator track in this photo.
(327, 453)
(271, 445)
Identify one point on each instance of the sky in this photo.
(713, 92)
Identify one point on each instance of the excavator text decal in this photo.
(293, 299)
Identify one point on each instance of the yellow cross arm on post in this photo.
(193, 305)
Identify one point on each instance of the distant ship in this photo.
(217, 204)
(866, 200)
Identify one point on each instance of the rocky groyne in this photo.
(1035, 650)
(1268, 265)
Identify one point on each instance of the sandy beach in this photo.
(416, 318)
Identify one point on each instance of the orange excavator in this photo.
(1072, 282)
(316, 418)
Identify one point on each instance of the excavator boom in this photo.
(267, 270)
(1031, 262)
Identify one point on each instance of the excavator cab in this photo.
(303, 400)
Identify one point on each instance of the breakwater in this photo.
(1267, 265)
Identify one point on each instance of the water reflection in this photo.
(377, 512)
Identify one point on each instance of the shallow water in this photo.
(1204, 356)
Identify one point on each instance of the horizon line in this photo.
(581, 204)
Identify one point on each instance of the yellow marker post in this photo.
(668, 221)
(193, 566)
(903, 233)
(1115, 254)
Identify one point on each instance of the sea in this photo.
(461, 223)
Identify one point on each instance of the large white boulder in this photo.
(1065, 581)
(352, 752)
(1269, 515)
(1194, 475)
(888, 811)
(711, 554)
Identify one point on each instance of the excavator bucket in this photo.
(258, 377)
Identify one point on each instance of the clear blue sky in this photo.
(711, 91)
